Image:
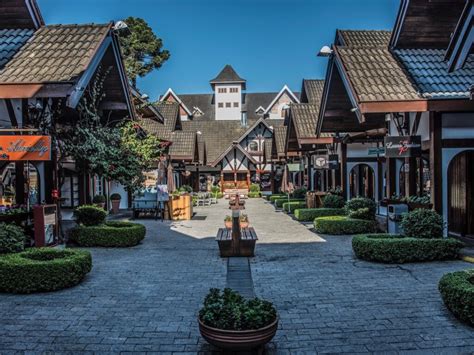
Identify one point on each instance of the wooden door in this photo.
(461, 195)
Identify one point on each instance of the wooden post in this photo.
(20, 183)
(236, 228)
(222, 182)
(391, 164)
(344, 169)
(410, 177)
(436, 161)
(379, 179)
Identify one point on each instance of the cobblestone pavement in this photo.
(146, 298)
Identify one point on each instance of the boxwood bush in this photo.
(457, 292)
(333, 201)
(309, 214)
(389, 248)
(12, 238)
(343, 225)
(254, 194)
(422, 223)
(279, 203)
(354, 205)
(290, 207)
(89, 215)
(43, 270)
(110, 234)
(274, 197)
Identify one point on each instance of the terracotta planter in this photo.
(244, 224)
(228, 224)
(238, 339)
(115, 206)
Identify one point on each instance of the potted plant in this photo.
(229, 321)
(228, 222)
(115, 199)
(99, 200)
(244, 221)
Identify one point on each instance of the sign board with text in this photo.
(17, 148)
(330, 161)
(402, 146)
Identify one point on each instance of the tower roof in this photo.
(228, 75)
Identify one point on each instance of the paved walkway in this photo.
(145, 299)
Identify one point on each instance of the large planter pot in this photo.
(115, 206)
(244, 224)
(238, 339)
(228, 224)
(181, 207)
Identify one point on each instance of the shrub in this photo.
(361, 213)
(43, 270)
(309, 214)
(422, 223)
(300, 193)
(343, 225)
(333, 201)
(229, 310)
(457, 292)
(115, 197)
(220, 195)
(254, 194)
(99, 199)
(279, 203)
(389, 248)
(272, 198)
(290, 207)
(110, 234)
(359, 203)
(89, 215)
(254, 188)
(12, 238)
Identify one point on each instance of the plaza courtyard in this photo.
(146, 298)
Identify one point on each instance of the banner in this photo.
(402, 146)
(326, 162)
(17, 148)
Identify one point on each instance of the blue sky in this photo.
(269, 42)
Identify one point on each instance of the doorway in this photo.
(362, 181)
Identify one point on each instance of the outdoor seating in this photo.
(204, 199)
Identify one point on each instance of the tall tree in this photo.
(142, 49)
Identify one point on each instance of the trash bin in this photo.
(394, 213)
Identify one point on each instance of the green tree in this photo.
(142, 49)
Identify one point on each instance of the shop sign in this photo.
(330, 161)
(14, 148)
(295, 167)
(380, 151)
(402, 146)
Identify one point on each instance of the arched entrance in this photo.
(362, 181)
(461, 195)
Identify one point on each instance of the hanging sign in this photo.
(402, 146)
(15, 147)
(326, 162)
(380, 151)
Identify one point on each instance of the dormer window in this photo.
(253, 146)
(197, 111)
(260, 111)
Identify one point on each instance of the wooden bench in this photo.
(244, 246)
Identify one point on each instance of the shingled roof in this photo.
(227, 75)
(279, 138)
(312, 91)
(304, 117)
(184, 146)
(169, 111)
(58, 53)
(11, 40)
(363, 38)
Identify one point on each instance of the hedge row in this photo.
(110, 234)
(274, 197)
(389, 248)
(343, 225)
(255, 194)
(457, 292)
(290, 207)
(43, 270)
(279, 203)
(309, 214)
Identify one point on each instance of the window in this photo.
(222, 90)
(227, 104)
(220, 104)
(236, 104)
(253, 146)
(234, 90)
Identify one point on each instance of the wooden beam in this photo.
(436, 161)
(344, 169)
(11, 113)
(416, 124)
(113, 105)
(464, 105)
(339, 113)
(458, 143)
(394, 106)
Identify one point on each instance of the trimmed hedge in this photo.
(279, 203)
(290, 207)
(255, 194)
(422, 223)
(333, 201)
(110, 234)
(309, 214)
(389, 248)
(43, 270)
(12, 238)
(89, 215)
(274, 197)
(343, 225)
(457, 292)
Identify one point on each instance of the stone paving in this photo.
(146, 298)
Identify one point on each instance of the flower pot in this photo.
(100, 204)
(244, 224)
(115, 206)
(238, 339)
(228, 224)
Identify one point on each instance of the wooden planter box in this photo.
(245, 246)
(180, 207)
(238, 339)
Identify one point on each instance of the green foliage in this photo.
(309, 214)
(299, 193)
(89, 215)
(99, 199)
(389, 248)
(290, 207)
(333, 201)
(343, 225)
(279, 202)
(12, 238)
(422, 223)
(115, 197)
(142, 49)
(361, 213)
(457, 291)
(255, 194)
(110, 234)
(230, 311)
(274, 197)
(254, 188)
(360, 203)
(43, 270)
